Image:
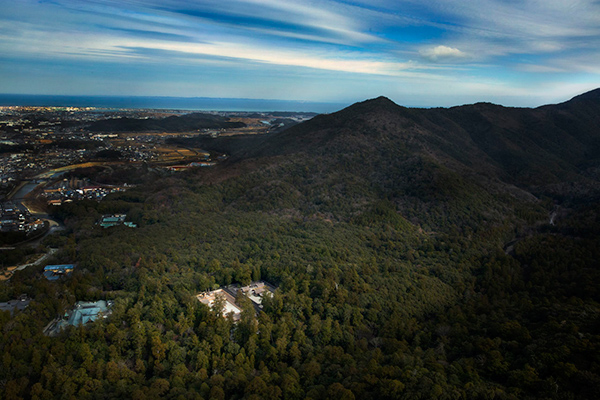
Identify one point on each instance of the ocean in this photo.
(169, 103)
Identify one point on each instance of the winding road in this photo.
(18, 196)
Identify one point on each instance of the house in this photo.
(108, 221)
(34, 225)
(229, 306)
(82, 313)
(255, 291)
(112, 220)
(54, 272)
(88, 311)
(15, 305)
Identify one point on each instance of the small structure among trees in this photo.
(82, 313)
(225, 298)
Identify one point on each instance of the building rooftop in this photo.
(256, 291)
(20, 304)
(54, 272)
(82, 313)
(108, 221)
(229, 305)
(85, 311)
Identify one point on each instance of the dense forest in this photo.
(418, 254)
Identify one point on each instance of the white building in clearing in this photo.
(229, 306)
(256, 291)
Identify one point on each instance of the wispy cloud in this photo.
(347, 63)
(113, 40)
(489, 46)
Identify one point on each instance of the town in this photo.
(34, 140)
(54, 156)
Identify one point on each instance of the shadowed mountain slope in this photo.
(521, 146)
(472, 163)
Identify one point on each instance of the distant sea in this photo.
(169, 103)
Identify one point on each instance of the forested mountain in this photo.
(419, 254)
(531, 148)
(521, 145)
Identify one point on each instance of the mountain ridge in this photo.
(491, 135)
(398, 152)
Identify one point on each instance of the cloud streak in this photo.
(502, 46)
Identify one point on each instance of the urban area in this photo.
(51, 156)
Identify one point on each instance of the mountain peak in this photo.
(377, 104)
(593, 95)
(381, 101)
(579, 102)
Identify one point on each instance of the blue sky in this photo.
(416, 52)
